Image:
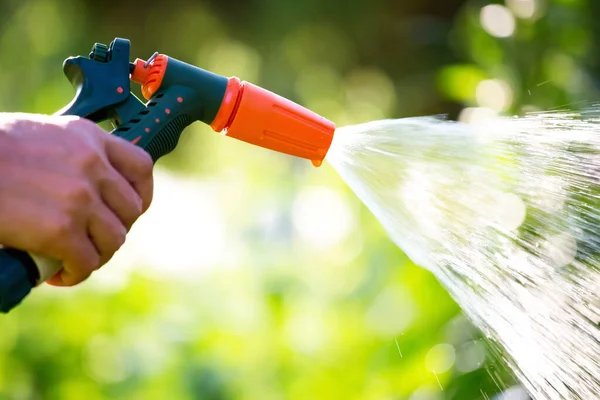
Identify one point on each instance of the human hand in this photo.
(69, 191)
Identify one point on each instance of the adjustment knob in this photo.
(99, 52)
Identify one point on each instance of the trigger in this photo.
(93, 99)
(100, 85)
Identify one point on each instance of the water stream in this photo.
(506, 214)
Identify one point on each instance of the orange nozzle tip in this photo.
(260, 117)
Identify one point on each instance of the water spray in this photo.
(505, 214)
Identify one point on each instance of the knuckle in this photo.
(136, 208)
(112, 239)
(60, 229)
(118, 240)
(56, 235)
(93, 266)
(94, 262)
(88, 160)
(84, 269)
(132, 219)
(146, 165)
(105, 259)
(78, 195)
(142, 166)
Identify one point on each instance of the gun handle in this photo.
(19, 273)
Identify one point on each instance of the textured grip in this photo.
(157, 127)
(18, 275)
(167, 138)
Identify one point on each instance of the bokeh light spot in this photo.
(371, 86)
(524, 9)
(232, 58)
(497, 20)
(561, 249)
(494, 94)
(477, 115)
(392, 312)
(427, 393)
(104, 360)
(510, 211)
(322, 217)
(470, 357)
(440, 358)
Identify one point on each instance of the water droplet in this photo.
(513, 393)
(561, 249)
(550, 196)
(510, 211)
(470, 356)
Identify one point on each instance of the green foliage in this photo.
(257, 276)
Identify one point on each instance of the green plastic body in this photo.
(208, 87)
(187, 94)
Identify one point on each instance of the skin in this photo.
(69, 191)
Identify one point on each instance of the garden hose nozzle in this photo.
(178, 94)
(240, 109)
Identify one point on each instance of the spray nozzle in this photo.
(260, 117)
(246, 112)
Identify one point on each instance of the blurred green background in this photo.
(255, 275)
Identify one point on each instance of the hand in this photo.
(69, 191)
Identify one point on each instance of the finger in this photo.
(121, 198)
(134, 164)
(107, 233)
(55, 280)
(82, 260)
